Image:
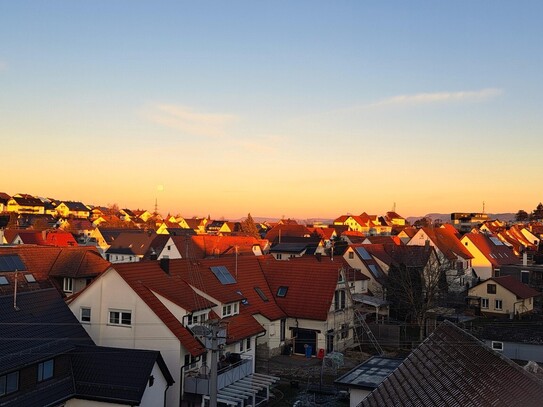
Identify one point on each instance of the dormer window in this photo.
(68, 285)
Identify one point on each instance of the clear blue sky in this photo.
(295, 108)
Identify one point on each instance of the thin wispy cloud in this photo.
(438, 97)
(191, 122)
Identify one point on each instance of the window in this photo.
(85, 316)
(339, 300)
(278, 256)
(248, 345)
(491, 288)
(122, 318)
(498, 304)
(282, 291)
(241, 346)
(497, 345)
(45, 370)
(226, 310)
(9, 383)
(351, 255)
(484, 302)
(30, 278)
(3, 280)
(282, 334)
(525, 276)
(68, 285)
(223, 275)
(261, 294)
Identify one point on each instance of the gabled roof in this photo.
(147, 278)
(59, 238)
(453, 368)
(287, 230)
(384, 240)
(4, 198)
(242, 326)
(513, 285)
(136, 243)
(447, 242)
(76, 206)
(202, 246)
(311, 284)
(27, 200)
(45, 261)
(105, 374)
(41, 327)
(27, 236)
(492, 248)
(410, 256)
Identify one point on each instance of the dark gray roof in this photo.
(41, 327)
(103, 373)
(512, 331)
(453, 368)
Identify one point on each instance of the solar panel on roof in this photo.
(11, 262)
(496, 241)
(223, 275)
(363, 253)
(375, 271)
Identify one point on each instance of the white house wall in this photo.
(110, 291)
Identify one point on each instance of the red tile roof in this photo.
(448, 243)
(496, 254)
(242, 326)
(147, 278)
(518, 288)
(287, 230)
(311, 284)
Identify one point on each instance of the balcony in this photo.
(197, 380)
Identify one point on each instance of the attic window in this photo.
(282, 291)
(223, 275)
(30, 278)
(261, 294)
(3, 280)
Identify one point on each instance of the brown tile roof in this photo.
(242, 326)
(45, 261)
(518, 288)
(287, 230)
(311, 284)
(384, 240)
(453, 368)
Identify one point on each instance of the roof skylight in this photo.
(223, 275)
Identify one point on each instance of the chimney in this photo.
(524, 257)
(165, 265)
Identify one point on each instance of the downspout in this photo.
(165, 390)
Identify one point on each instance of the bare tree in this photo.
(415, 284)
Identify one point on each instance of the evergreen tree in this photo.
(248, 227)
(521, 216)
(537, 213)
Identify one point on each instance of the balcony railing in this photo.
(197, 380)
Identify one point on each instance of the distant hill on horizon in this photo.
(446, 217)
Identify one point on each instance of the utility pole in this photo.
(214, 363)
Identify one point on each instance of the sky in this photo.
(295, 109)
